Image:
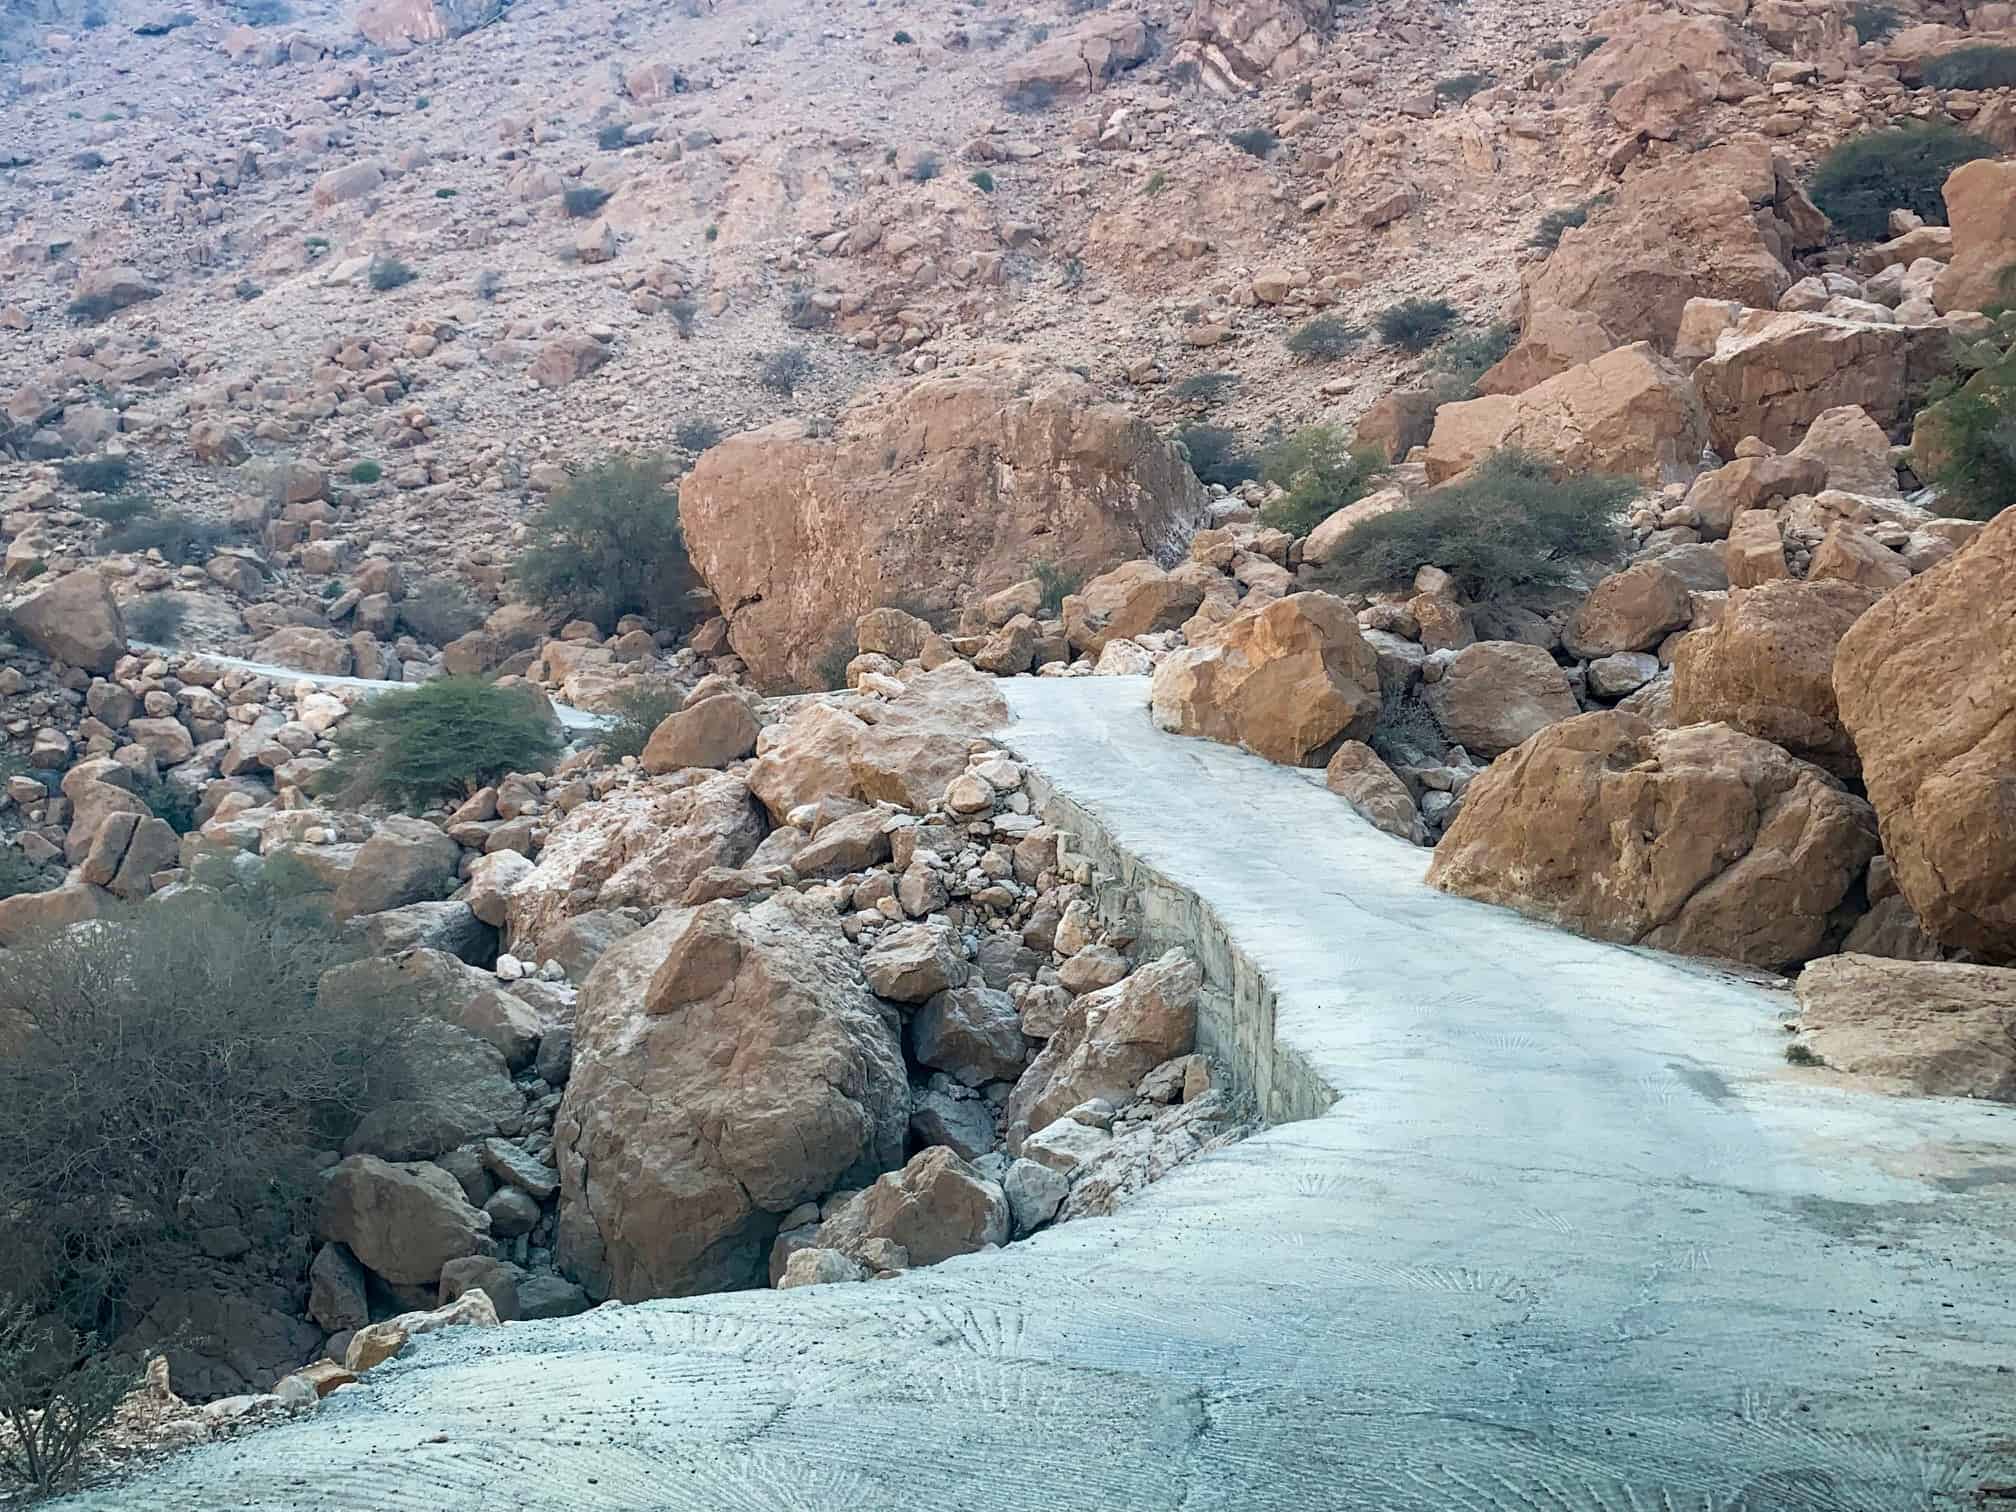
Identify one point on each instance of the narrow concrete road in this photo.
(1571, 1237)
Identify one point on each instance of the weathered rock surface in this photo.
(711, 733)
(1981, 208)
(935, 1207)
(939, 491)
(1699, 839)
(1632, 610)
(1237, 44)
(1767, 667)
(1356, 774)
(728, 1065)
(1495, 694)
(1628, 412)
(74, 620)
(1287, 681)
(1933, 1027)
(403, 1222)
(1926, 684)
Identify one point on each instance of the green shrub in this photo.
(443, 740)
(117, 509)
(683, 312)
(902, 39)
(1872, 20)
(1977, 67)
(1513, 524)
(1555, 223)
(640, 709)
(1415, 324)
(1206, 388)
(437, 610)
(20, 875)
(388, 273)
(713, 233)
(247, 290)
(1059, 583)
(185, 1068)
(99, 475)
(927, 167)
(366, 472)
(1407, 733)
(173, 803)
(1460, 87)
(182, 540)
(1592, 42)
(831, 669)
(583, 200)
(608, 544)
(1965, 445)
(1465, 357)
(1322, 471)
(1216, 455)
(1324, 339)
(982, 180)
(1157, 182)
(782, 371)
(614, 137)
(50, 1412)
(695, 436)
(1860, 182)
(1255, 141)
(155, 619)
(446, 193)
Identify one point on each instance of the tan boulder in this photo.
(1078, 62)
(1659, 103)
(639, 847)
(728, 1065)
(1699, 839)
(1754, 554)
(1286, 681)
(566, 358)
(1851, 555)
(1933, 1027)
(1358, 776)
(1926, 683)
(1853, 452)
(398, 24)
(1749, 483)
(1716, 224)
(1327, 540)
(895, 633)
(306, 649)
(1135, 598)
(115, 288)
(350, 182)
(30, 916)
(1552, 339)
(1981, 207)
(1496, 694)
(935, 1207)
(74, 620)
(942, 490)
(1637, 44)
(405, 861)
(1626, 412)
(1766, 667)
(403, 1222)
(1632, 610)
(1111, 1038)
(711, 733)
(1777, 371)
(375, 1343)
(1399, 422)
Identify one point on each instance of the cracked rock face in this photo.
(1701, 840)
(727, 1067)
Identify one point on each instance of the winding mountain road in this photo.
(1541, 1224)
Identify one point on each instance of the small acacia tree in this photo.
(1322, 471)
(608, 544)
(445, 739)
(1861, 181)
(1513, 522)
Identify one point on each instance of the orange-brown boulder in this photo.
(1699, 839)
(1926, 683)
(1287, 681)
(1767, 667)
(940, 491)
(1938, 1028)
(1981, 205)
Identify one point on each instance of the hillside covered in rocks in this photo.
(514, 516)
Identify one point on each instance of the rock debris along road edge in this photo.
(1571, 1235)
(575, 721)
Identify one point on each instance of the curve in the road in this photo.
(1563, 1232)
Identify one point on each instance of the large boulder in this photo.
(640, 847)
(710, 733)
(1080, 61)
(1288, 681)
(74, 620)
(1110, 1040)
(1774, 372)
(1700, 839)
(936, 1207)
(404, 1222)
(1721, 223)
(1495, 694)
(1767, 667)
(1237, 44)
(1926, 684)
(728, 1065)
(452, 991)
(1632, 610)
(457, 1088)
(1628, 411)
(404, 861)
(399, 24)
(1981, 208)
(940, 490)
(1135, 598)
(1934, 1027)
